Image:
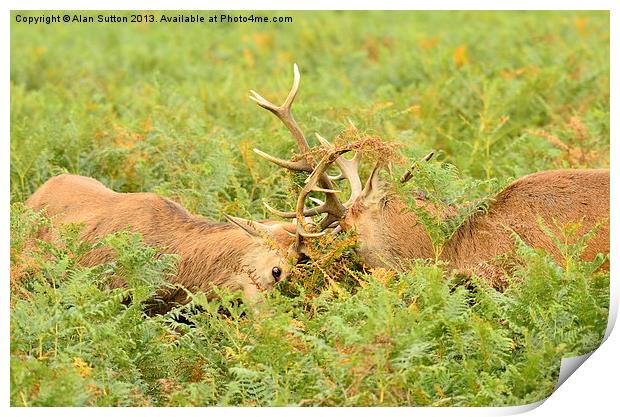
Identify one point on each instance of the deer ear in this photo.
(252, 228)
(262, 230)
(372, 191)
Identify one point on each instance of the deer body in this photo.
(388, 232)
(210, 253)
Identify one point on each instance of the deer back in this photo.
(211, 253)
(556, 198)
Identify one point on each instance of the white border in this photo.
(594, 386)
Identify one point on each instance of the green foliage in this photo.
(151, 107)
(74, 340)
(164, 108)
(443, 200)
(419, 338)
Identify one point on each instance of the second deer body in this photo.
(389, 232)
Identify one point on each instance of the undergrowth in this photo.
(332, 335)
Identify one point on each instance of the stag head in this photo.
(335, 213)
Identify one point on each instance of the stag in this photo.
(390, 233)
(244, 255)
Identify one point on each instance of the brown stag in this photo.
(244, 255)
(389, 233)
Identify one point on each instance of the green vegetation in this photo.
(164, 108)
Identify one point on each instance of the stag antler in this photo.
(310, 186)
(332, 206)
(409, 173)
(349, 170)
(283, 112)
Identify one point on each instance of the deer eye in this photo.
(276, 272)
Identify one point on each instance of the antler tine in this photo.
(409, 173)
(292, 215)
(283, 112)
(301, 165)
(317, 201)
(333, 210)
(349, 170)
(329, 146)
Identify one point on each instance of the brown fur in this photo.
(210, 253)
(389, 233)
